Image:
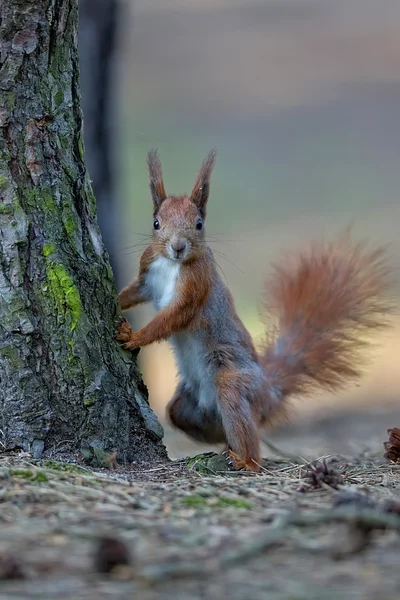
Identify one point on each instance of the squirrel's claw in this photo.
(233, 460)
(239, 464)
(125, 334)
(124, 331)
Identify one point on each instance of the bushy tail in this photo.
(326, 303)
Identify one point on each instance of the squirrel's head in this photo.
(178, 226)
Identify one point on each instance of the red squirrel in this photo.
(326, 302)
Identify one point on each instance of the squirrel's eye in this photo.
(156, 224)
(199, 225)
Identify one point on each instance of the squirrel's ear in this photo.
(156, 180)
(201, 189)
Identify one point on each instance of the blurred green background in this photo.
(302, 100)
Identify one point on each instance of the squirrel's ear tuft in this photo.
(201, 189)
(156, 180)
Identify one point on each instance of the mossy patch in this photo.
(89, 401)
(48, 249)
(40, 477)
(41, 198)
(56, 465)
(65, 141)
(208, 463)
(72, 227)
(48, 201)
(59, 98)
(25, 473)
(64, 293)
(194, 501)
(235, 502)
(69, 226)
(6, 209)
(37, 476)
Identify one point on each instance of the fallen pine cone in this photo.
(392, 446)
(321, 472)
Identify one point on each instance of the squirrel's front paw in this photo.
(126, 335)
(124, 331)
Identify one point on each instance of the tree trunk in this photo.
(98, 49)
(65, 383)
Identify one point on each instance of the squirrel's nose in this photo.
(179, 246)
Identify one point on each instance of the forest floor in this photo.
(190, 531)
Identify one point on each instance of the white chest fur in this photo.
(161, 281)
(190, 352)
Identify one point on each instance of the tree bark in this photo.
(65, 384)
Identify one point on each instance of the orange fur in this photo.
(132, 294)
(181, 314)
(326, 303)
(173, 214)
(241, 430)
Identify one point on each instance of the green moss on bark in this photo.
(6, 209)
(59, 98)
(89, 401)
(64, 294)
(48, 249)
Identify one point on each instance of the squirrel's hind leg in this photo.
(241, 429)
(186, 414)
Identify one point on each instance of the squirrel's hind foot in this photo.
(239, 464)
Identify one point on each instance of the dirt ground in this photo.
(194, 533)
